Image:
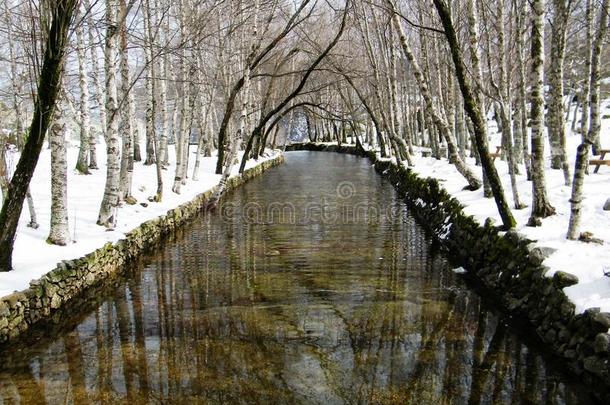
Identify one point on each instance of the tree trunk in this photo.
(99, 90)
(110, 201)
(182, 138)
(82, 163)
(151, 101)
(541, 207)
(582, 154)
(59, 233)
(521, 15)
(163, 136)
(555, 114)
(586, 88)
(4, 182)
(127, 113)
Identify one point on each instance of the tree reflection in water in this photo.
(231, 311)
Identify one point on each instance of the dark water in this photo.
(312, 284)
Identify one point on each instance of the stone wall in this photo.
(21, 310)
(509, 267)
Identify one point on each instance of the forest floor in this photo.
(588, 261)
(33, 256)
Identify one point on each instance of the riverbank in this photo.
(34, 290)
(507, 265)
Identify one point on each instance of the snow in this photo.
(33, 257)
(587, 261)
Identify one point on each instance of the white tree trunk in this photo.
(59, 233)
(99, 89)
(110, 201)
(164, 70)
(555, 114)
(541, 207)
(183, 136)
(127, 113)
(82, 164)
(582, 156)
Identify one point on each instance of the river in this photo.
(309, 284)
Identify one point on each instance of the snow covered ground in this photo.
(587, 261)
(33, 257)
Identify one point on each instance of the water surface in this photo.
(310, 284)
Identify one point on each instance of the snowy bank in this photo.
(33, 257)
(587, 261)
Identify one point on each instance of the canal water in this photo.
(310, 284)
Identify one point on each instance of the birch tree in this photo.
(59, 233)
(110, 201)
(127, 113)
(99, 90)
(184, 131)
(82, 163)
(555, 115)
(588, 140)
(541, 206)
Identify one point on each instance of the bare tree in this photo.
(541, 207)
(110, 201)
(582, 153)
(82, 163)
(555, 115)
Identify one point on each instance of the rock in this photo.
(602, 343)
(515, 237)
(561, 279)
(588, 238)
(607, 205)
(4, 311)
(272, 252)
(14, 299)
(601, 321)
(567, 310)
(550, 336)
(14, 323)
(595, 365)
(539, 253)
(55, 301)
(590, 312)
(563, 335)
(570, 354)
